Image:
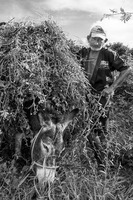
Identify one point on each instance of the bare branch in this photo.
(124, 16)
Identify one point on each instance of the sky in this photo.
(75, 17)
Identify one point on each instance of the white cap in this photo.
(97, 31)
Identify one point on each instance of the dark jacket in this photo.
(107, 62)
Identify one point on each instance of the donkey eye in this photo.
(45, 146)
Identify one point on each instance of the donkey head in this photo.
(48, 143)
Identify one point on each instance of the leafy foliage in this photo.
(119, 48)
(124, 15)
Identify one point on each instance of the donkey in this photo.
(47, 144)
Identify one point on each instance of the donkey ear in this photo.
(41, 120)
(68, 117)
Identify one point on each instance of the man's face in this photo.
(96, 43)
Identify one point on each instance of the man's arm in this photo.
(110, 90)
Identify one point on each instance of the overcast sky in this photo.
(75, 17)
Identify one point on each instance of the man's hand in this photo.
(109, 91)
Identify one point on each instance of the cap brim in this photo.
(100, 35)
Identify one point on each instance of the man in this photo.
(98, 64)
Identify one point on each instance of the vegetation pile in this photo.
(36, 61)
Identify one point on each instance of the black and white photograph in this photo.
(66, 100)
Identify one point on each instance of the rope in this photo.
(108, 100)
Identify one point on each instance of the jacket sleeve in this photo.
(116, 63)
